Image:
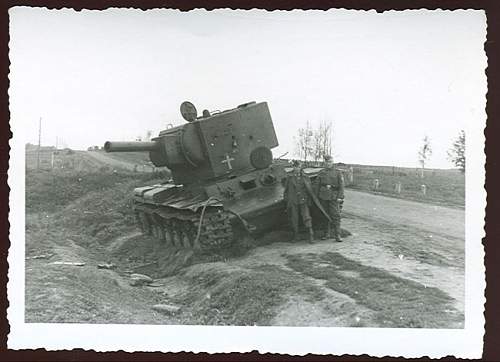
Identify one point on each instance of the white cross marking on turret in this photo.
(228, 161)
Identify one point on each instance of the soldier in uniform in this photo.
(329, 188)
(297, 195)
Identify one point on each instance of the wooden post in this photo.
(423, 188)
(376, 184)
(397, 187)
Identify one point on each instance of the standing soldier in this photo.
(298, 192)
(330, 191)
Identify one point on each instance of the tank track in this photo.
(179, 228)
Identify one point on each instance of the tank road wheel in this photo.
(145, 223)
(157, 227)
(191, 235)
(176, 236)
(138, 219)
(179, 229)
(195, 242)
(160, 233)
(154, 230)
(185, 235)
(169, 237)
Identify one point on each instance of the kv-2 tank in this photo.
(224, 181)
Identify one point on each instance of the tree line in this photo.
(312, 143)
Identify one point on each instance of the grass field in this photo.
(444, 187)
(139, 158)
(50, 191)
(78, 160)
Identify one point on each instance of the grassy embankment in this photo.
(74, 217)
(82, 206)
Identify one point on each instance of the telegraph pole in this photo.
(39, 143)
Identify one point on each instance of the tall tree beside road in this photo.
(456, 153)
(424, 154)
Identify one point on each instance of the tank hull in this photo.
(212, 216)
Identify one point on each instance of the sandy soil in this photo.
(402, 267)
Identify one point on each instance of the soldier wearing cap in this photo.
(329, 187)
(297, 195)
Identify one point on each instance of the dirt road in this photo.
(420, 245)
(434, 219)
(402, 267)
(113, 162)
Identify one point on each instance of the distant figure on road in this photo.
(298, 192)
(329, 188)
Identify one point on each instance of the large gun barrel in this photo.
(130, 146)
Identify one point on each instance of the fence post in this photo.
(423, 188)
(397, 187)
(351, 175)
(376, 184)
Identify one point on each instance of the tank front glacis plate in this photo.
(254, 194)
(173, 196)
(160, 192)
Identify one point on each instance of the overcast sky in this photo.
(384, 80)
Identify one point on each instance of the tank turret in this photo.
(213, 145)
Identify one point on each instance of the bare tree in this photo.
(424, 153)
(456, 153)
(304, 142)
(322, 140)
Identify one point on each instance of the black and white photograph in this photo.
(235, 180)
